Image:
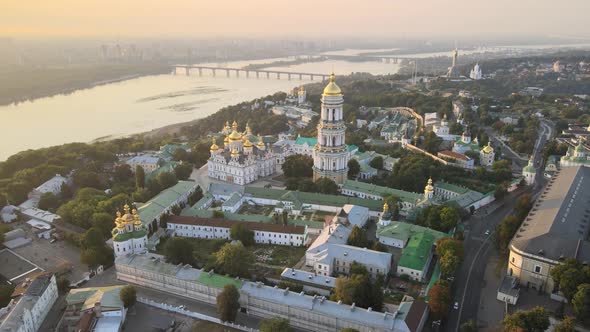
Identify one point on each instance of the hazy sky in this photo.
(299, 18)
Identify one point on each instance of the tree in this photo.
(103, 222)
(581, 303)
(353, 168)
(327, 186)
(128, 296)
(469, 326)
(431, 142)
(183, 171)
(179, 251)
(49, 201)
(378, 246)
(63, 284)
(298, 165)
(505, 231)
(285, 217)
(90, 179)
(5, 294)
(449, 217)
(358, 289)
(357, 237)
(233, 259)
(122, 173)
(275, 324)
(376, 162)
(239, 232)
(139, 177)
(228, 303)
(439, 299)
(166, 180)
(93, 238)
(180, 155)
(534, 320)
(450, 253)
(568, 324)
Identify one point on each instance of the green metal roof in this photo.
(218, 281)
(167, 166)
(373, 189)
(403, 231)
(167, 151)
(451, 187)
(87, 297)
(417, 251)
(310, 141)
(154, 207)
(126, 236)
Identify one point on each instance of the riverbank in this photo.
(22, 84)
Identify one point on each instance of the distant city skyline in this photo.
(303, 18)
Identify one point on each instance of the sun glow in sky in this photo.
(303, 18)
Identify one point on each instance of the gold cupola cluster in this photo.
(214, 147)
(128, 218)
(429, 187)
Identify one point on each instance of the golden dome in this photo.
(235, 136)
(226, 125)
(301, 91)
(488, 148)
(235, 153)
(385, 207)
(260, 143)
(234, 125)
(226, 139)
(332, 89)
(214, 146)
(429, 187)
(247, 143)
(120, 226)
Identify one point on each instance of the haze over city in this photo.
(303, 18)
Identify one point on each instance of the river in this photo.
(142, 104)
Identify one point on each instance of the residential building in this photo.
(51, 186)
(555, 229)
(27, 312)
(148, 162)
(456, 158)
(216, 228)
(305, 145)
(167, 151)
(331, 155)
(301, 115)
(313, 313)
(94, 309)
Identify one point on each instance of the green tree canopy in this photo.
(439, 299)
(298, 166)
(568, 324)
(534, 320)
(275, 324)
(233, 259)
(376, 162)
(128, 295)
(353, 168)
(357, 237)
(139, 177)
(581, 303)
(183, 171)
(228, 303)
(179, 251)
(327, 186)
(239, 232)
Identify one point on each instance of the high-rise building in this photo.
(330, 155)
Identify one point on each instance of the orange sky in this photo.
(302, 18)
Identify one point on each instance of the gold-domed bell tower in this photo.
(429, 190)
(214, 149)
(330, 155)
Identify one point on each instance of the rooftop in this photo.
(86, 298)
(417, 251)
(52, 185)
(254, 226)
(557, 225)
(509, 286)
(308, 277)
(403, 231)
(373, 189)
(154, 207)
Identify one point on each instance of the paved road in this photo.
(470, 278)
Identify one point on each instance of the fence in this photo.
(179, 310)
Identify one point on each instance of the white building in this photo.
(239, 161)
(301, 95)
(212, 228)
(26, 314)
(330, 155)
(148, 162)
(476, 73)
(578, 156)
(129, 234)
(51, 186)
(529, 172)
(487, 155)
(465, 143)
(97, 309)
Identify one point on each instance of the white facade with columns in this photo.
(330, 155)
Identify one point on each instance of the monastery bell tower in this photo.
(330, 155)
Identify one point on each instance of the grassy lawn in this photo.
(284, 256)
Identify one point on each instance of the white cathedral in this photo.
(476, 73)
(239, 160)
